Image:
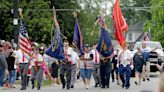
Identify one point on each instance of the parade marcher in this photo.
(3, 66)
(11, 61)
(54, 72)
(114, 67)
(160, 67)
(138, 65)
(23, 65)
(146, 67)
(36, 68)
(86, 66)
(105, 67)
(75, 59)
(65, 67)
(96, 66)
(161, 84)
(126, 64)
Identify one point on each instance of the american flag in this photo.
(147, 37)
(24, 42)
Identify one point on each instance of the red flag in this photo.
(119, 24)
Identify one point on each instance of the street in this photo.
(150, 86)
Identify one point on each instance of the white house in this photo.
(135, 32)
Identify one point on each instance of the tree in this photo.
(156, 23)
(65, 18)
(38, 22)
(6, 20)
(87, 19)
(133, 10)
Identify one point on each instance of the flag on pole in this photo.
(147, 37)
(104, 46)
(56, 49)
(77, 37)
(24, 42)
(120, 24)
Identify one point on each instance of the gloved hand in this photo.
(131, 67)
(15, 66)
(117, 66)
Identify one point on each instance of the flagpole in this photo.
(51, 33)
(55, 21)
(94, 27)
(93, 30)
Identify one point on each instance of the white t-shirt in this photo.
(22, 57)
(75, 58)
(147, 49)
(126, 57)
(68, 51)
(38, 58)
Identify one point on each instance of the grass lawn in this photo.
(45, 82)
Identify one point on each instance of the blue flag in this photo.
(77, 38)
(56, 49)
(105, 47)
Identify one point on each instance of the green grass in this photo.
(45, 82)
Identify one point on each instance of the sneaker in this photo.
(107, 86)
(96, 85)
(72, 86)
(23, 89)
(87, 87)
(102, 86)
(32, 87)
(136, 83)
(148, 79)
(126, 87)
(14, 86)
(118, 83)
(68, 87)
(38, 88)
(123, 85)
(63, 86)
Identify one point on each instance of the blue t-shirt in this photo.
(114, 60)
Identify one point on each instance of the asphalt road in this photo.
(148, 86)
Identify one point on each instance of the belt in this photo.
(68, 62)
(23, 63)
(37, 66)
(73, 64)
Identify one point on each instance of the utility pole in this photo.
(15, 20)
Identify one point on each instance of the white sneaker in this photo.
(14, 86)
(87, 87)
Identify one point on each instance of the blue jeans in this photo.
(12, 76)
(125, 70)
(2, 76)
(86, 73)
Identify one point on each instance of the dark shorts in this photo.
(116, 70)
(54, 73)
(138, 69)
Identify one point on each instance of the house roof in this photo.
(137, 26)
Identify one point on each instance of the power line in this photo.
(62, 10)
